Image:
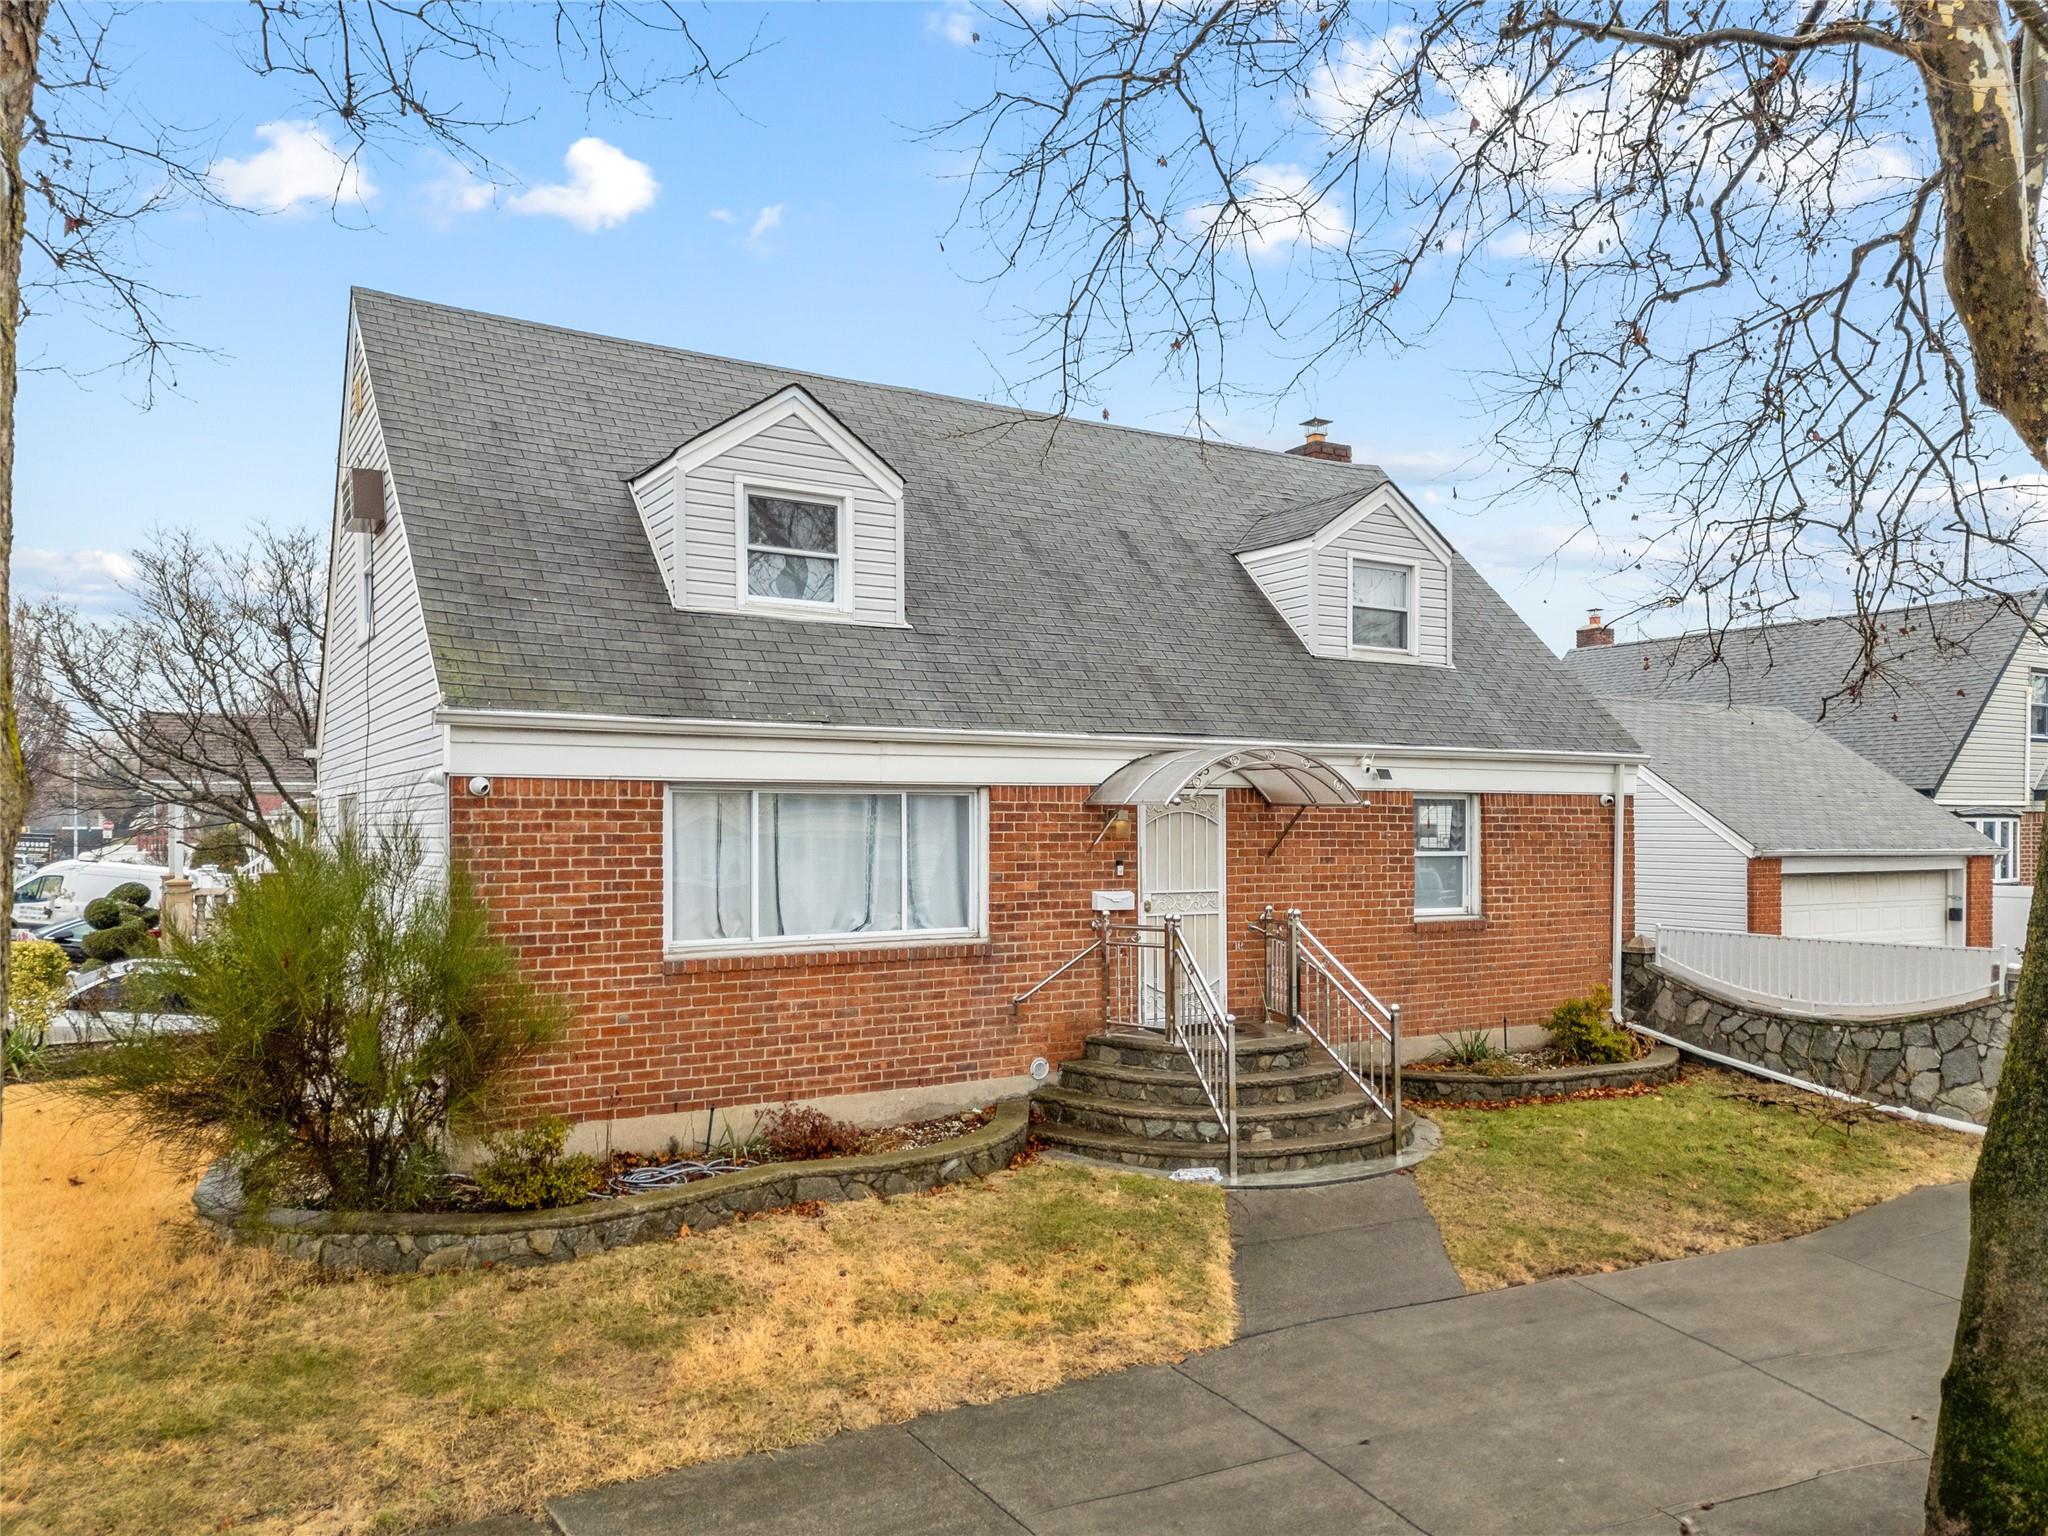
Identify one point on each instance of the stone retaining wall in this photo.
(391, 1242)
(1660, 1066)
(1942, 1063)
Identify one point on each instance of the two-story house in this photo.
(798, 729)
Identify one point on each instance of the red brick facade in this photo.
(572, 871)
(1766, 896)
(2029, 849)
(1977, 908)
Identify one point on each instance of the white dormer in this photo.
(780, 510)
(1371, 582)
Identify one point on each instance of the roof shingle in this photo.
(1062, 577)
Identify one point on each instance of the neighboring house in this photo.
(1752, 819)
(796, 727)
(1957, 709)
(258, 761)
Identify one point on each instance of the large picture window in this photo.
(771, 866)
(1446, 860)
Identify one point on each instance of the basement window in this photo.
(789, 867)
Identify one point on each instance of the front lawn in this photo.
(1715, 1160)
(155, 1381)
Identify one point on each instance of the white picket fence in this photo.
(1831, 978)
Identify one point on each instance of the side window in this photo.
(2037, 705)
(1446, 858)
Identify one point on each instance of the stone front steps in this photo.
(1134, 1099)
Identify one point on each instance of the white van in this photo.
(58, 892)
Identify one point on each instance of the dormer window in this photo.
(1382, 605)
(793, 548)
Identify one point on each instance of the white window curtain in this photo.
(831, 864)
(711, 893)
(941, 840)
(1379, 606)
(784, 864)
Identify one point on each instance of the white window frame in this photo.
(2037, 683)
(366, 587)
(2005, 868)
(1411, 572)
(974, 932)
(1470, 907)
(842, 556)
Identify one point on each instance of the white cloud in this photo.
(722, 215)
(1278, 207)
(90, 577)
(300, 168)
(606, 187)
(458, 190)
(953, 21)
(769, 218)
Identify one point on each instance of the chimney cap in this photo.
(1593, 618)
(1316, 423)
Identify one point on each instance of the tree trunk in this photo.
(21, 34)
(1990, 1472)
(1974, 105)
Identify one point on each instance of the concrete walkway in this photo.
(1789, 1388)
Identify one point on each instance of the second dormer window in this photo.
(793, 549)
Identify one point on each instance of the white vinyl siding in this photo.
(1998, 763)
(1384, 536)
(788, 457)
(1283, 575)
(656, 499)
(379, 744)
(1687, 874)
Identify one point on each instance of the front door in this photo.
(1180, 872)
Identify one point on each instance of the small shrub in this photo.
(36, 978)
(121, 921)
(360, 1010)
(221, 847)
(798, 1132)
(1471, 1050)
(1580, 1031)
(527, 1170)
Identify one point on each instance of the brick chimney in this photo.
(1594, 632)
(1319, 446)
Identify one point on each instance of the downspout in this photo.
(1620, 856)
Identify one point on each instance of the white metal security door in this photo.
(1180, 872)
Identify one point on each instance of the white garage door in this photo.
(1909, 907)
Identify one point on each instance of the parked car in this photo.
(68, 936)
(58, 892)
(122, 998)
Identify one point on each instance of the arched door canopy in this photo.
(1284, 775)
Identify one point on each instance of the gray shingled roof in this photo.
(1069, 579)
(1784, 784)
(1938, 667)
(1284, 525)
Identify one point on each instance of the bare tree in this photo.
(84, 163)
(1768, 282)
(200, 690)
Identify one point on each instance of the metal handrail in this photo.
(1310, 989)
(1101, 938)
(1209, 1039)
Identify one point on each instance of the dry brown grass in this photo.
(154, 1381)
(1713, 1161)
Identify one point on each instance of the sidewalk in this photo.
(1787, 1388)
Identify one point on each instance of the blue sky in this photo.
(801, 224)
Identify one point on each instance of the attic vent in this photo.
(362, 500)
(357, 390)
